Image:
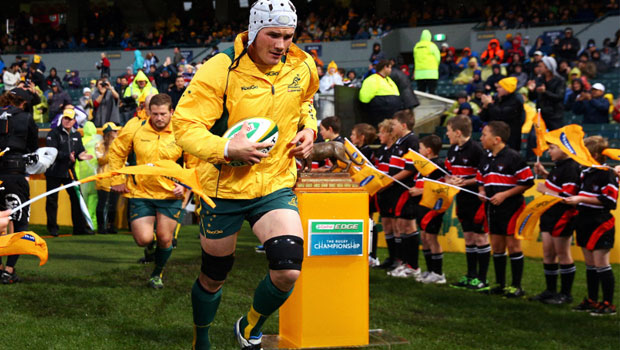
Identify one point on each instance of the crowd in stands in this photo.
(107, 99)
(520, 14)
(476, 73)
(573, 63)
(323, 21)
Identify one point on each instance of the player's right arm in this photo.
(199, 108)
(119, 150)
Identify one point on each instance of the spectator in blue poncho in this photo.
(138, 62)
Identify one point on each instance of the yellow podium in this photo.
(329, 305)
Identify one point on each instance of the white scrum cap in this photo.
(271, 13)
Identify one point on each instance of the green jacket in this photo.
(426, 56)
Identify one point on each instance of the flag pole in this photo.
(370, 164)
(459, 188)
(358, 151)
(42, 195)
(398, 182)
(428, 160)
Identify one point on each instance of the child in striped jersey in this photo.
(597, 196)
(503, 176)
(386, 197)
(362, 136)
(430, 220)
(462, 162)
(557, 225)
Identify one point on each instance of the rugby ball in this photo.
(260, 129)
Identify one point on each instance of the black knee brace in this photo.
(285, 252)
(216, 267)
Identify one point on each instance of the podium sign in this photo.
(335, 237)
(329, 305)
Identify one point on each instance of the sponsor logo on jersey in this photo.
(251, 87)
(293, 202)
(214, 232)
(294, 86)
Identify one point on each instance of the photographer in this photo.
(19, 134)
(105, 102)
(36, 77)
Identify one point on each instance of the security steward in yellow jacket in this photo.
(381, 94)
(265, 75)
(151, 199)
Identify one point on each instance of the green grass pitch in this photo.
(93, 295)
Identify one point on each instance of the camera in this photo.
(104, 84)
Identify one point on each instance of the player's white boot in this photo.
(254, 343)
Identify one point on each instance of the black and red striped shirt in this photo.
(564, 178)
(463, 161)
(503, 171)
(399, 149)
(601, 184)
(382, 158)
(437, 174)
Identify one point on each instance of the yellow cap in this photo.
(110, 126)
(509, 84)
(36, 59)
(68, 113)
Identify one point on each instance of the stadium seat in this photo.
(570, 118)
(614, 143)
(610, 131)
(443, 153)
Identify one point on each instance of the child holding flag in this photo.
(406, 235)
(462, 162)
(503, 176)
(557, 225)
(597, 196)
(430, 219)
(385, 198)
(362, 136)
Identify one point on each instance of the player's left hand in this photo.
(498, 198)
(455, 180)
(4, 220)
(542, 188)
(415, 191)
(178, 190)
(85, 156)
(573, 200)
(302, 143)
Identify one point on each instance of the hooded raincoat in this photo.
(134, 89)
(426, 56)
